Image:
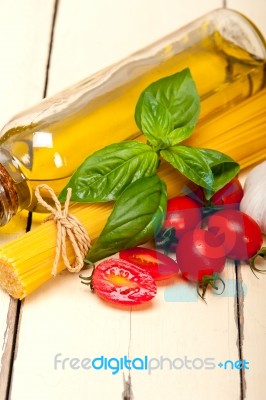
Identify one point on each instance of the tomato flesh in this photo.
(183, 214)
(158, 265)
(118, 281)
(199, 253)
(239, 233)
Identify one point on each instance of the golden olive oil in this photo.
(50, 150)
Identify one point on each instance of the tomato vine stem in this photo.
(260, 253)
(209, 280)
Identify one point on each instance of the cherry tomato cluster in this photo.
(201, 245)
(205, 233)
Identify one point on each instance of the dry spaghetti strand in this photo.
(67, 225)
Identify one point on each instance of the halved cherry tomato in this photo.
(157, 264)
(183, 214)
(199, 254)
(118, 281)
(238, 232)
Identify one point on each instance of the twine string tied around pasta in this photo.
(67, 226)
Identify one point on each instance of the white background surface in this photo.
(64, 318)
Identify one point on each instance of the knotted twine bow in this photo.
(67, 225)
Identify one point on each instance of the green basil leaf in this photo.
(179, 134)
(191, 163)
(137, 217)
(176, 93)
(223, 167)
(106, 173)
(156, 120)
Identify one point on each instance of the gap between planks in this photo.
(239, 316)
(9, 347)
(127, 383)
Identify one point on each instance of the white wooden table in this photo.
(45, 46)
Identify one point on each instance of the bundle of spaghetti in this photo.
(26, 263)
(240, 132)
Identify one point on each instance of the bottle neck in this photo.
(14, 192)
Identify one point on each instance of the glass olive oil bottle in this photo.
(225, 53)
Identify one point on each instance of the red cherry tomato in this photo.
(157, 264)
(239, 233)
(118, 281)
(183, 214)
(229, 196)
(199, 253)
(196, 193)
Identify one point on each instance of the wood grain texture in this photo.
(24, 40)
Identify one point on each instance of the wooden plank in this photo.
(24, 41)
(8, 346)
(64, 377)
(64, 318)
(107, 31)
(253, 332)
(180, 326)
(252, 306)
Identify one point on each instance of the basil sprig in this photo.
(166, 112)
(106, 173)
(137, 217)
